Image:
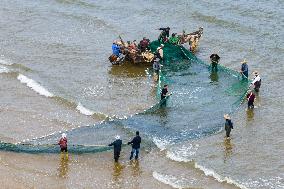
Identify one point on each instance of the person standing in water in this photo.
(63, 143)
(250, 98)
(116, 147)
(228, 125)
(164, 93)
(256, 81)
(135, 146)
(214, 61)
(244, 69)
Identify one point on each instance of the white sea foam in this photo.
(161, 143)
(168, 179)
(219, 178)
(34, 85)
(182, 154)
(3, 69)
(5, 62)
(84, 110)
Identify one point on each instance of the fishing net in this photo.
(199, 100)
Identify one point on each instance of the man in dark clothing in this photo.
(163, 37)
(228, 125)
(244, 68)
(116, 148)
(164, 92)
(250, 98)
(214, 61)
(135, 145)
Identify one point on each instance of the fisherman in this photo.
(63, 143)
(174, 39)
(244, 69)
(228, 125)
(214, 61)
(116, 147)
(156, 64)
(144, 44)
(135, 146)
(256, 81)
(163, 37)
(115, 49)
(164, 93)
(250, 98)
(160, 52)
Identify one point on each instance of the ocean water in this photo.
(55, 77)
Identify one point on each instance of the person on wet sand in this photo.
(228, 125)
(116, 148)
(250, 98)
(63, 143)
(135, 146)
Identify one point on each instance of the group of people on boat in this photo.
(251, 95)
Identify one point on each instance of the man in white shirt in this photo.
(256, 81)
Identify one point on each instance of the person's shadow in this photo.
(63, 165)
(228, 149)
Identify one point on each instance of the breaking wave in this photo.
(34, 86)
(219, 178)
(169, 180)
(183, 154)
(84, 110)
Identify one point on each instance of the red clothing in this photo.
(63, 143)
(251, 97)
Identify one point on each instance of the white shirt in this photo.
(161, 52)
(257, 78)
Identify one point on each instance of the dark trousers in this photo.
(214, 66)
(63, 149)
(136, 151)
(116, 155)
(228, 131)
(250, 104)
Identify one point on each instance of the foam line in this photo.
(167, 179)
(84, 110)
(34, 86)
(219, 178)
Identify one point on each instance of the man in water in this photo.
(163, 37)
(250, 98)
(135, 146)
(63, 143)
(256, 81)
(214, 61)
(160, 52)
(228, 125)
(144, 44)
(116, 148)
(164, 93)
(244, 68)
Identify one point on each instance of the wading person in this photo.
(160, 52)
(228, 125)
(163, 37)
(135, 146)
(250, 98)
(164, 92)
(116, 148)
(63, 143)
(256, 81)
(214, 61)
(244, 69)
